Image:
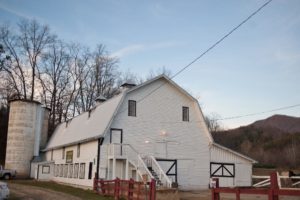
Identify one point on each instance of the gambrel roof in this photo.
(86, 126)
(94, 124)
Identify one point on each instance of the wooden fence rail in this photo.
(128, 189)
(273, 192)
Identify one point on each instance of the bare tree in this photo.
(33, 40)
(54, 79)
(212, 122)
(25, 48)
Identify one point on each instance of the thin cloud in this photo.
(14, 12)
(131, 49)
(136, 48)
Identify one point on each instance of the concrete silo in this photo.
(27, 134)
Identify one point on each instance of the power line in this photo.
(209, 49)
(205, 52)
(223, 38)
(222, 119)
(259, 113)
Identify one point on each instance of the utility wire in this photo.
(209, 49)
(223, 38)
(225, 118)
(259, 113)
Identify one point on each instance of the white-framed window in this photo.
(63, 153)
(45, 169)
(76, 169)
(70, 171)
(66, 170)
(132, 108)
(82, 171)
(56, 170)
(69, 157)
(185, 114)
(78, 150)
(52, 155)
(61, 171)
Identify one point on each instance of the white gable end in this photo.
(159, 113)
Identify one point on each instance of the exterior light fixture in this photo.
(163, 133)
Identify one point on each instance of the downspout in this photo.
(100, 141)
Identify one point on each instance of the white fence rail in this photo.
(265, 180)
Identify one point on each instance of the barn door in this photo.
(116, 137)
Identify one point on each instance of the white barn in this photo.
(154, 130)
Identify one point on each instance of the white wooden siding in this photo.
(88, 153)
(243, 167)
(162, 111)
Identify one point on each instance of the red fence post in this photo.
(273, 187)
(102, 186)
(95, 184)
(130, 188)
(215, 195)
(237, 193)
(117, 189)
(152, 191)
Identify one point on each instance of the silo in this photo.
(24, 136)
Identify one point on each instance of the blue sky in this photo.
(256, 69)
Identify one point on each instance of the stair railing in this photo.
(165, 180)
(126, 150)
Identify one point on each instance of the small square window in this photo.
(185, 114)
(46, 169)
(132, 108)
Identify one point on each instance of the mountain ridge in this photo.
(276, 135)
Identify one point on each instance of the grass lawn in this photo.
(78, 192)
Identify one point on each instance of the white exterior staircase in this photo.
(146, 166)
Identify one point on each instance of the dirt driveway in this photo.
(25, 192)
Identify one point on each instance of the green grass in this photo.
(78, 192)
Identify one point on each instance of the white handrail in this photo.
(145, 167)
(132, 155)
(161, 173)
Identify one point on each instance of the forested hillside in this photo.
(273, 141)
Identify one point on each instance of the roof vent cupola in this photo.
(126, 86)
(100, 99)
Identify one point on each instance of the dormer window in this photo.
(185, 114)
(132, 108)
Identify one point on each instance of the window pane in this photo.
(78, 150)
(132, 108)
(61, 172)
(82, 170)
(76, 167)
(69, 157)
(66, 171)
(70, 171)
(185, 113)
